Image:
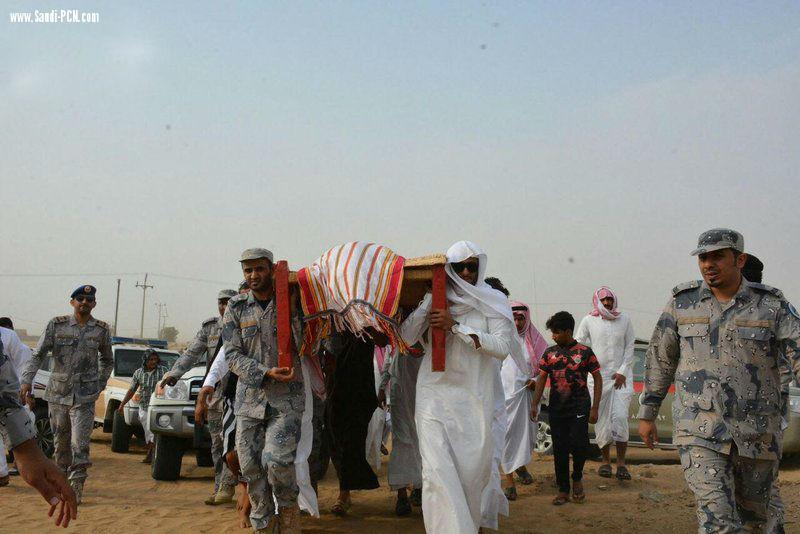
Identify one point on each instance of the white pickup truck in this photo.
(127, 358)
(172, 423)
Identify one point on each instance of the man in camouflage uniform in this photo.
(82, 363)
(722, 340)
(269, 399)
(204, 347)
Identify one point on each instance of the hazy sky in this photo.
(580, 144)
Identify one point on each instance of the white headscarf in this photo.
(461, 295)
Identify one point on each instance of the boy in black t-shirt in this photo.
(571, 409)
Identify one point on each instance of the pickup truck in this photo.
(544, 444)
(172, 423)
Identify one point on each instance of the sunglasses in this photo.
(461, 265)
(81, 298)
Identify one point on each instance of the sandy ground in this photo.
(121, 496)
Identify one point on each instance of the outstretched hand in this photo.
(45, 477)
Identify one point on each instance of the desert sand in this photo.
(120, 496)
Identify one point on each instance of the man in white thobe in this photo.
(455, 408)
(609, 333)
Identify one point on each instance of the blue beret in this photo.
(84, 290)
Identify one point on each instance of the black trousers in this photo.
(570, 436)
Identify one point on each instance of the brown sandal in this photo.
(560, 500)
(341, 507)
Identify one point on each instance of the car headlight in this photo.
(178, 392)
(794, 404)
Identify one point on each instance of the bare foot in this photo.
(243, 506)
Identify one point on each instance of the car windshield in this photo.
(126, 361)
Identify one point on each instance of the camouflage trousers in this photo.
(266, 450)
(72, 431)
(732, 492)
(222, 475)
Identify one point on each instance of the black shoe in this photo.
(403, 507)
(416, 497)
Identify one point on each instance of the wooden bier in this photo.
(419, 276)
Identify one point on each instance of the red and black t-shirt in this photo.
(568, 368)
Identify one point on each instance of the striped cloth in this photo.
(352, 287)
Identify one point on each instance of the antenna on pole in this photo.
(144, 287)
(116, 307)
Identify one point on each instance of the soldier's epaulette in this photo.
(680, 288)
(238, 300)
(102, 324)
(210, 320)
(61, 319)
(767, 289)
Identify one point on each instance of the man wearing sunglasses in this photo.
(82, 363)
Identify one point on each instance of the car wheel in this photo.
(120, 434)
(167, 457)
(204, 458)
(544, 438)
(44, 433)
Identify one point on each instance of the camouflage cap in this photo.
(256, 254)
(718, 239)
(226, 294)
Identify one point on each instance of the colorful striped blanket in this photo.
(352, 287)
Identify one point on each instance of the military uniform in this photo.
(204, 347)
(724, 358)
(268, 412)
(82, 363)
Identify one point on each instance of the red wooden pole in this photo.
(284, 314)
(439, 303)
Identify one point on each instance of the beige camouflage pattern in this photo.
(268, 412)
(72, 431)
(201, 349)
(732, 492)
(251, 349)
(725, 361)
(82, 360)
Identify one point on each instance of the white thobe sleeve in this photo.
(627, 357)
(17, 352)
(583, 335)
(495, 343)
(415, 324)
(218, 369)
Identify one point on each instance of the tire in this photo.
(544, 437)
(204, 458)
(120, 434)
(44, 433)
(167, 457)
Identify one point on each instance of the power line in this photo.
(161, 275)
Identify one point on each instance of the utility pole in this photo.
(162, 314)
(116, 307)
(144, 287)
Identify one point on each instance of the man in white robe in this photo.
(609, 333)
(405, 465)
(518, 383)
(455, 408)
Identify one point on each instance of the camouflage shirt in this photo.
(82, 360)
(250, 335)
(201, 349)
(15, 425)
(725, 360)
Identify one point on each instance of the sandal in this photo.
(560, 500)
(578, 495)
(524, 477)
(623, 473)
(510, 493)
(340, 507)
(605, 471)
